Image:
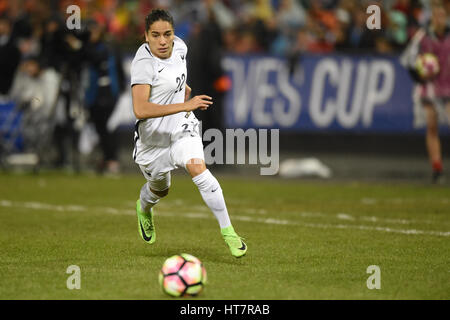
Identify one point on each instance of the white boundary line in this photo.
(193, 215)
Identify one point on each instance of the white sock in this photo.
(212, 194)
(148, 198)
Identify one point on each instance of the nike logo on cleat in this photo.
(146, 238)
(243, 246)
(161, 70)
(214, 190)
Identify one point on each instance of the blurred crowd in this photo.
(247, 26)
(38, 52)
(64, 83)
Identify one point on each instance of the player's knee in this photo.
(162, 193)
(195, 167)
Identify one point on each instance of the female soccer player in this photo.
(166, 131)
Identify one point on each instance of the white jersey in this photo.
(167, 78)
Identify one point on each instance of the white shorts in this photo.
(175, 156)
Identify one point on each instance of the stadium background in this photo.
(306, 61)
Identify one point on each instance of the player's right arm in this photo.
(144, 109)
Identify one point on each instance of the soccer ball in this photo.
(427, 65)
(182, 275)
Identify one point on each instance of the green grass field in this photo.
(306, 239)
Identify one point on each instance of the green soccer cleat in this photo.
(236, 244)
(145, 224)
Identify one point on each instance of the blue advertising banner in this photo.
(331, 93)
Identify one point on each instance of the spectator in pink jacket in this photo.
(436, 92)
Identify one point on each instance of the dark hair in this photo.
(156, 15)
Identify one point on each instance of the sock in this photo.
(212, 194)
(437, 166)
(228, 230)
(148, 198)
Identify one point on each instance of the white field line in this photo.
(196, 215)
(346, 216)
(306, 214)
(372, 201)
(173, 205)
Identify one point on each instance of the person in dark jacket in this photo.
(106, 82)
(205, 65)
(9, 55)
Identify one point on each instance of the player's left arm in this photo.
(187, 93)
